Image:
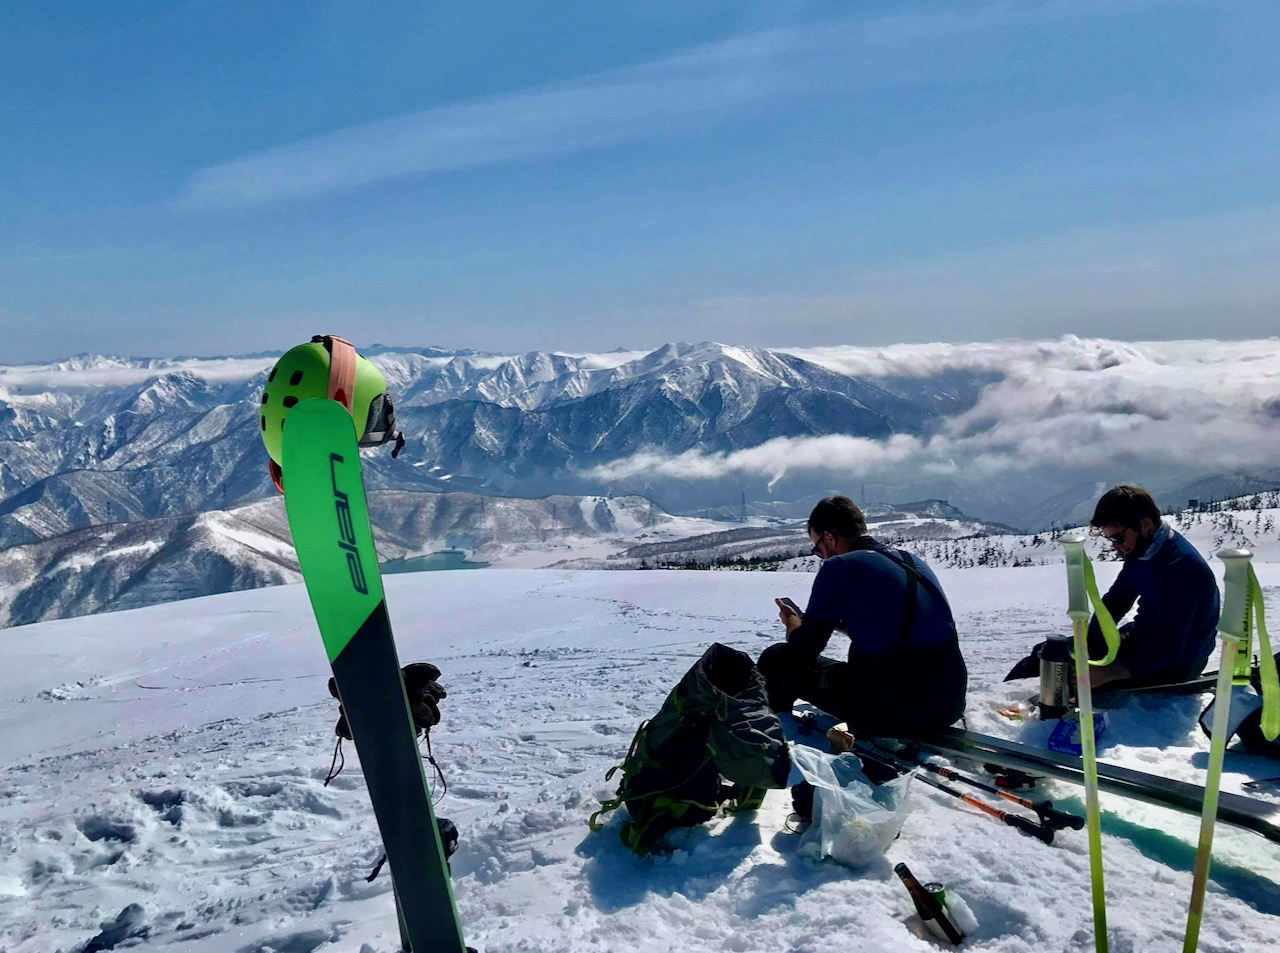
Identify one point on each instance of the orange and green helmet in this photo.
(326, 366)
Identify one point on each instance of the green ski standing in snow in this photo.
(333, 402)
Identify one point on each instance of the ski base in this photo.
(329, 521)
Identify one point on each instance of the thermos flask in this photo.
(1057, 678)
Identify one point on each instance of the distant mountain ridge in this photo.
(786, 545)
(129, 565)
(94, 440)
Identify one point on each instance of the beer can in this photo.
(939, 891)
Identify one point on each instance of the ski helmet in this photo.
(326, 367)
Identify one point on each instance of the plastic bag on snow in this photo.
(854, 821)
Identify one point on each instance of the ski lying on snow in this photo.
(1192, 686)
(1251, 813)
(329, 520)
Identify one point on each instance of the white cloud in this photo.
(628, 104)
(606, 360)
(773, 458)
(589, 113)
(112, 371)
(1211, 405)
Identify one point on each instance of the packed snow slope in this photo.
(161, 784)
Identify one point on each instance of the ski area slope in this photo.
(161, 784)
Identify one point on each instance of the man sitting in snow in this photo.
(1172, 635)
(905, 673)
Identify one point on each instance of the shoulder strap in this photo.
(915, 578)
(908, 603)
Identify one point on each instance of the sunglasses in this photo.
(817, 546)
(1116, 539)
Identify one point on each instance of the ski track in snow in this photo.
(162, 785)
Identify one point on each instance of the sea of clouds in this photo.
(1073, 402)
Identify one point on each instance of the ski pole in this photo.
(1050, 817)
(1081, 590)
(1023, 824)
(1233, 629)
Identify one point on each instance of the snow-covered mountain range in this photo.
(97, 440)
(144, 562)
(784, 545)
(1023, 433)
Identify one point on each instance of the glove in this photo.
(1028, 667)
(422, 689)
(424, 693)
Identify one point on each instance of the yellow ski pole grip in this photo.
(1234, 623)
(1082, 593)
(1079, 584)
(1077, 591)
(1233, 630)
(1241, 606)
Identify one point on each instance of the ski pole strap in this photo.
(1082, 592)
(1266, 663)
(1100, 612)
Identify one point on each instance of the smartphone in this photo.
(791, 605)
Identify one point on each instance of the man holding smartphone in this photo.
(904, 674)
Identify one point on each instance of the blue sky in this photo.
(226, 177)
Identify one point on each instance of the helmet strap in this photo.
(342, 384)
(342, 368)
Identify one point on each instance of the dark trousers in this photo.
(1178, 672)
(896, 698)
(790, 675)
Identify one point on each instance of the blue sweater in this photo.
(1173, 634)
(862, 594)
(901, 682)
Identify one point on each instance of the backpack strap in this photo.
(908, 604)
(915, 579)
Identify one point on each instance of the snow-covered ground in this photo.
(161, 778)
(628, 532)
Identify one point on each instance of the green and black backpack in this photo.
(714, 744)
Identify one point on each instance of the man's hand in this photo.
(790, 618)
(1101, 674)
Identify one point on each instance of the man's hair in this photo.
(838, 515)
(1125, 505)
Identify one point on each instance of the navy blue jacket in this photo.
(1173, 634)
(913, 683)
(862, 593)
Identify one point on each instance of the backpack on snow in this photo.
(716, 722)
(1245, 722)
